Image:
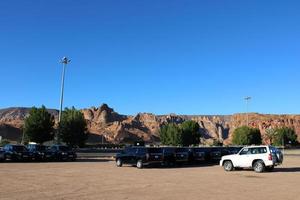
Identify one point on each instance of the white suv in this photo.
(260, 158)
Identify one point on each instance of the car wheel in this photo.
(139, 164)
(228, 166)
(269, 169)
(119, 162)
(259, 166)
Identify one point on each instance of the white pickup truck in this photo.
(259, 158)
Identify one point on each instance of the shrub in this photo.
(38, 126)
(245, 135)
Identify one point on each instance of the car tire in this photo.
(119, 162)
(228, 166)
(139, 164)
(259, 166)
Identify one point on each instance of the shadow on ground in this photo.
(287, 169)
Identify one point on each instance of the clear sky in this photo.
(185, 57)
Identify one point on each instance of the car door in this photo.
(243, 158)
(131, 155)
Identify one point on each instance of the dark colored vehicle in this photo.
(200, 154)
(183, 155)
(233, 150)
(139, 156)
(168, 156)
(1, 155)
(61, 153)
(39, 152)
(216, 154)
(16, 153)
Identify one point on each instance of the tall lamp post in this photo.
(64, 61)
(247, 99)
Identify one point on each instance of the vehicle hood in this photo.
(229, 156)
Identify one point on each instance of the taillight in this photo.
(270, 157)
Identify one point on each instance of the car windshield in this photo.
(40, 148)
(64, 148)
(19, 148)
(181, 150)
(155, 150)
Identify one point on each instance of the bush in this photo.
(38, 126)
(246, 136)
(73, 128)
(284, 136)
(170, 134)
(190, 133)
(184, 135)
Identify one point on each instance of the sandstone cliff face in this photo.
(104, 124)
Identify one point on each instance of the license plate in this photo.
(70, 156)
(25, 156)
(155, 156)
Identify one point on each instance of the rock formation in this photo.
(104, 124)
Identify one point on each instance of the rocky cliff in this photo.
(106, 125)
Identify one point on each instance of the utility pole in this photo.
(64, 62)
(247, 99)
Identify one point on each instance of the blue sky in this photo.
(185, 57)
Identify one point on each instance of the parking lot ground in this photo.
(101, 179)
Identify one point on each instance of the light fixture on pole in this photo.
(247, 99)
(64, 61)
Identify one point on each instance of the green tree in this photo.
(283, 136)
(170, 134)
(270, 134)
(38, 126)
(73, 128)
(190, 133)
(245, 135)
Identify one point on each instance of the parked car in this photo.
(216, 153)
(16, 152)
(139, 156)
(199, 154)
(233, 150)
(61, 153)
(168, 156)
(39, 152)
(183, 155)
(259, 158)
(2, 158)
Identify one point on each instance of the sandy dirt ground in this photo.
(101, 179)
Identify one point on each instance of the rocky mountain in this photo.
(106, 125)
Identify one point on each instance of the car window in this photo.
(131, 150)
(245, 151)
(258, 150)
(142, 150)
(154, 150)
(168, 150)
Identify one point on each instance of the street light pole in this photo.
(64, 61)
(247, 99)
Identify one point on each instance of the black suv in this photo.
(39, 152)
(200, 154)
(16, 152)
(1, 155)
(140, 156)
(183, 155)
(62, 153)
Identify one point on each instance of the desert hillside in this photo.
(104, 124)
